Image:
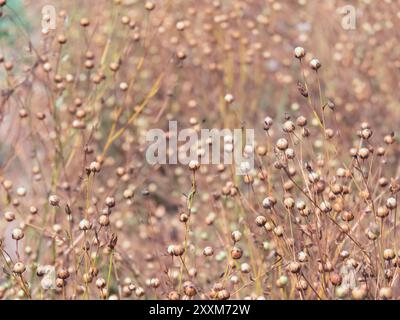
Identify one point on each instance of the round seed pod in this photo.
(294, 267)
(95, 166)
(229, 98)
(189, 289)
(9, 216)
(104, 220)
(100, 283)
(347, 216)
(63, 274)
(301, 285)
(288, 126)
(359, 293)
(282, 144)
(391, 203)
(236, 236)
(336, 279)
(268, 123)
(84, 22)
(301, 121)
(54, 200)
(173, 295)
(289, 203)
(300, 205)
(223, 295)
(282, 281)
(110, 202)
(315, 64)
(261, 221)
(19, 268)
(269, 202)
(382, 212)
(388, 254)
(194, 165)
(363, 153)
(84, 225)
(236, 253)
(149, 6)
(386, 293)
(388, 139)
(62, 39)
(380, 151)
(17, 234)
(299, 52)
(178, 250)
(278, 230)
(208, 251)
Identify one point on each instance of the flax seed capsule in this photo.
(189, 289)
(288, 126)
(261, 221)
(54, 200)
(114, 66)
(9, 216)
(89, 64)
(62, 39)
(289, 202)
(8, 65)
(269, 202)
(149, 6)
(17, 234)
(268, 123)
(208, 251)
(84, 22)
(294, 267)
(104, 220)
(299, 52)
(336, 279)
(278, 230)
(229, 98)
(236, 253)
(315, 64)
(347, 216)
(19, 268)
(63, 274)
(388, 254)
(391, 203)
(282, 144)
(380, 151)
(23, 113)
(178, 250)
(363, 153)
(173, 295)
(386, 293)
(388, 139)
(95, 166)
(382, 212)
(236, 236)
(301, 285)
(301, 121)
(84, 225)
(110, 202)
(125, 20)
(300, 205)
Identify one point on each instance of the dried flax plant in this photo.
(85, 216)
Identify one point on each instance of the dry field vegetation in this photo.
(84, 216)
